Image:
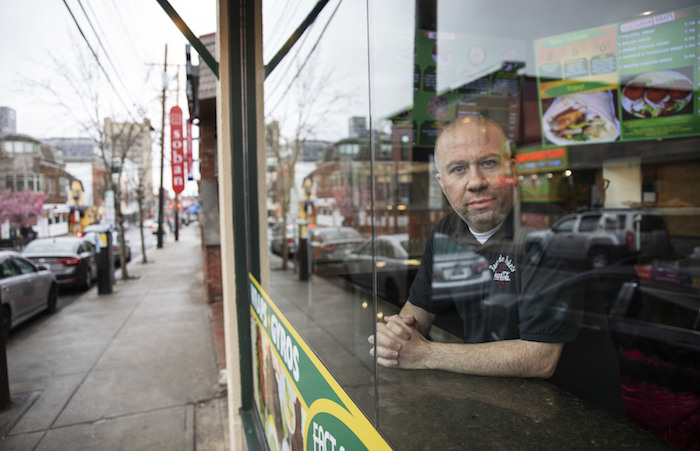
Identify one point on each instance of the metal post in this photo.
(177, 217)
(161, 193)
(5, 400)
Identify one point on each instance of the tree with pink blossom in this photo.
(21, 209)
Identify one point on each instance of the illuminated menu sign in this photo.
(633, 80)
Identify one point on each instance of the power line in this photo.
(307, 56)
(106, 53)
(97, 59)
(279, 28)
(134, 48)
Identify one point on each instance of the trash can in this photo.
(105, 263)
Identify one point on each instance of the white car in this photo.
(25, 289)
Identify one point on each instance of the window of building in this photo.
(598, 106)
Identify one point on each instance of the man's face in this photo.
(473, 164)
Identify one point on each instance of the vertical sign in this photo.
(177, 160)
(189, 157)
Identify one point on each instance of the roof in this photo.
(207, 79)
(75, 149)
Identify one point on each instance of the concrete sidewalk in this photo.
(132, 370)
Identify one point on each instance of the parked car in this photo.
(152, 225)
(395, 269)
(603, 237)
(92, 232)
(277, 239)
(457, 270)
(331, 245)
(71, 259)
(25, 289)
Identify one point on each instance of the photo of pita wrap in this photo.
(581, 118)
(656, 94)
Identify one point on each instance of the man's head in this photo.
(473, 158)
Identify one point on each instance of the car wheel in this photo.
(6, 322)
(87, 283)
(52, 300)
(599, 258)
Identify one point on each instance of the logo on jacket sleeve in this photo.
(502, 268)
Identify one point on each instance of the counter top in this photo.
(437, 410)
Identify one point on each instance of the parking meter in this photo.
(105, 262)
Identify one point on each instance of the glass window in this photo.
(552, 118)
(7, 269)
(589, 223)
(24, 266)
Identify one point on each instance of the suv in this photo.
(602, 237)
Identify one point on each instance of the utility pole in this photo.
(161, 193)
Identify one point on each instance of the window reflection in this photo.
(617, 158)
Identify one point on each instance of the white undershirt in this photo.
(483, 237)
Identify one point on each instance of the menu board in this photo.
(632, 80)
(457, 75)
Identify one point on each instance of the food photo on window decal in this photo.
(277, 402)
(656, 94)
(581, 119)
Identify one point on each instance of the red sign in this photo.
(177, 160)
(189, 158)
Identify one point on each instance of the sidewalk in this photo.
(133, 370)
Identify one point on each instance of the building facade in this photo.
(133, 141)
(30, 164)
(8, 120)
(83, 161)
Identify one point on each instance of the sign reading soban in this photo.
(301, 405)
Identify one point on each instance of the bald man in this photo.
(511, 330)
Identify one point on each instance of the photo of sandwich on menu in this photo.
(581, 118)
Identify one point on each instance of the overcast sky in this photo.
(129, 39)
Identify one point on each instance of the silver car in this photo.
(603, 237)
(25, 289)
(395, 269)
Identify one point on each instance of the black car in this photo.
(71, 259)
(25, 289)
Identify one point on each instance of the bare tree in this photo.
(80, 91)
(120, 140)
(313, 99)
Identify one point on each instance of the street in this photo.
(140, 359)
(66, 296)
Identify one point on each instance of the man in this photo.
(520, 322)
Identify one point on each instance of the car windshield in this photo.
(50, 246)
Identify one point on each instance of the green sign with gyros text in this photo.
(300, 404)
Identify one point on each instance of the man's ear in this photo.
(438, 176)
(510, 167)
